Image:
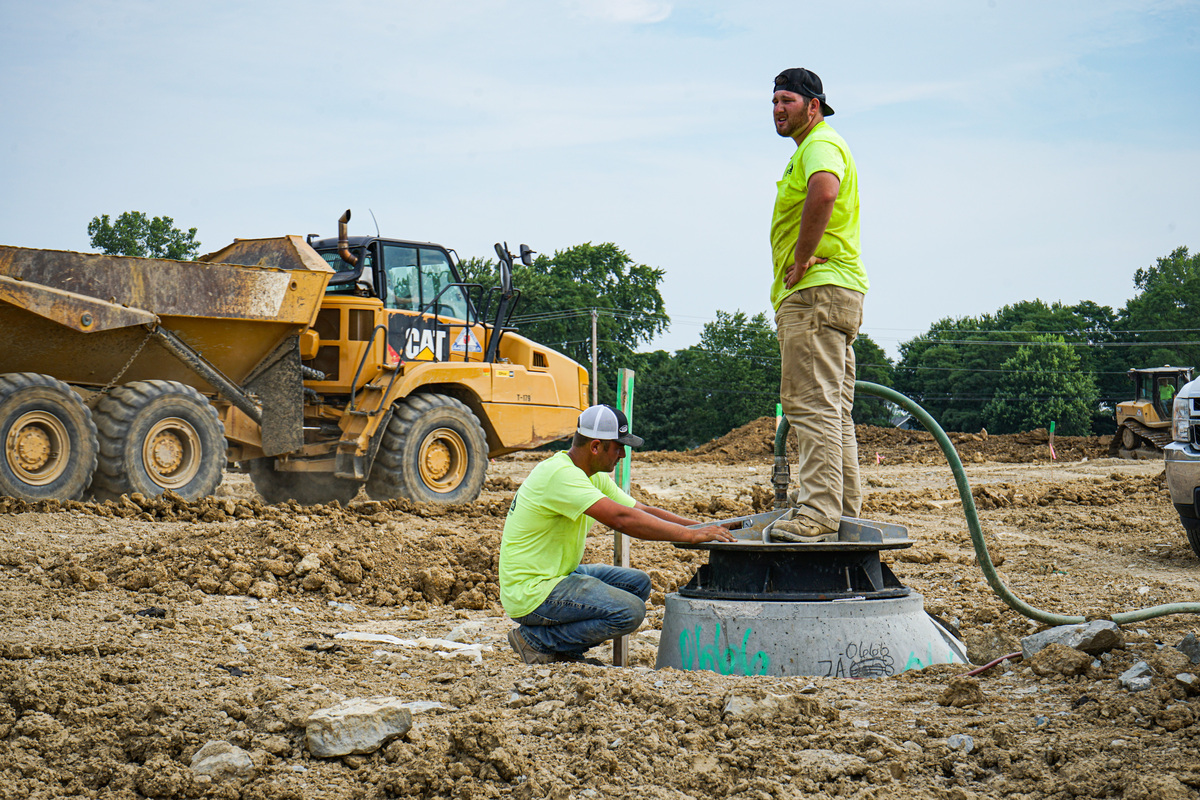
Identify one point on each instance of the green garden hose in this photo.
(968, 503)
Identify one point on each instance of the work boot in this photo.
(572, 658)
(525, 650)
(802, 529)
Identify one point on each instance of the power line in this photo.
(932, 337)
(985, 343)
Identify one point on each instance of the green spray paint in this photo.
(725, 661)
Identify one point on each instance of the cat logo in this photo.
(419, 338)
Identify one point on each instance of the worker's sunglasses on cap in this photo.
(607, 423)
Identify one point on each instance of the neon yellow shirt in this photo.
(546, 530)
(823, 150)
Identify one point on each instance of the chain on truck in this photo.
(323, 366)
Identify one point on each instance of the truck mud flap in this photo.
(279, 384)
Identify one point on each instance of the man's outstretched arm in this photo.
(653, 524)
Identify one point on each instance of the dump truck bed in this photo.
(84, 318)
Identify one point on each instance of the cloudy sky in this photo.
(1006, 150)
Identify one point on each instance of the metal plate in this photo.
(752, 532)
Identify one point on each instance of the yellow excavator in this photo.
(1144, 423)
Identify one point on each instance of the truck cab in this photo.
(419, 282)
(1182, 456)
(405, 275)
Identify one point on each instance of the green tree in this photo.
(946, 374)
(873, 365)
(953, 372)
(134, 234)
(559, 293)
(1161, 318)
(1042, 383)
(663, 402)
(704, 391)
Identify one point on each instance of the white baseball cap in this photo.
(605, 422)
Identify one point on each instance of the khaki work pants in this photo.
(817, 327)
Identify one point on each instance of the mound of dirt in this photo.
(754, 442)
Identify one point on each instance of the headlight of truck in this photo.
(1181, 418)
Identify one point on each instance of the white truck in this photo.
(1183, 460)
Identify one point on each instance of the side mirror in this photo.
(505, 278)
(505, 268)
(527, 255)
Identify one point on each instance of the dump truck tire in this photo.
(433, 450)
(306, 488)
(49, 439)
(155, 436)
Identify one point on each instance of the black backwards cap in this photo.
(803, 82)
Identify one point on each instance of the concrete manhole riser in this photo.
(857, 638)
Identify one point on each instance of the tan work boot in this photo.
(525, 650)
(802, 529)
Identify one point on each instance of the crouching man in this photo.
(564, 607)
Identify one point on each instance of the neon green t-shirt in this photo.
(546, 530)
(823, 150)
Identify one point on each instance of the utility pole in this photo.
(595, 376)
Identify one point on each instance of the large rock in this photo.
(1137, 678)
(221, 760)
(768, 707)
(358, 726)
(1058, 659)
(985, 645)
(1190, 647)
(1095, 637)
(961, 693)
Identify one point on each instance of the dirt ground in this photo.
(135, 633)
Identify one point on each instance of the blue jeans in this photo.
(594, 603)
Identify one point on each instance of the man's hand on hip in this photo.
(795, 272)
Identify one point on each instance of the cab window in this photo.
(403, 277)
(436, 275)
(416, 277)
(343, 281)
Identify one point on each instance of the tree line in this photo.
(1033, 363)
(681, 399)
(1025, 366)
(1022, 367)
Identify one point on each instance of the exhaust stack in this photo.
(344, 240)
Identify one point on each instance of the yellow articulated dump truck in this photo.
(320, 365)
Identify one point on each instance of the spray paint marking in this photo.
(724, 661)
(865, 661)
(916, 663)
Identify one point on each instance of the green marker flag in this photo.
(625, 403)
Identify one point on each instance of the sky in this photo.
(1006, 151)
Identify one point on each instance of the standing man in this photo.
(818, 297)
(564, 607)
